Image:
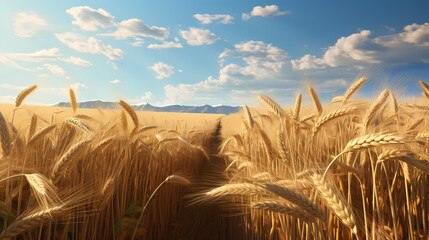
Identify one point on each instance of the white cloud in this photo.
(263, 69)
(137, 28)
(267, 11)
(218, 18)
(116, 81)
(166, 45)
(147, 96)
(7, 99)
(163, 70)
(28, 24)
(78, 86)
(138, 42)
(197, 37)
(89, 45)
(77, 61)
(44, 55)
(360, 49)
(89, 19)
(55, 69)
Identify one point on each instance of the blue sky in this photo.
(207, 52)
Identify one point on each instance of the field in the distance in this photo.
(350, 169)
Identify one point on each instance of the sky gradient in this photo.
(209, 52)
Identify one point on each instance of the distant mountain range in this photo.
(147, 107)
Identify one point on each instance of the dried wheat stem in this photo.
(426, 95)
(274, 106)
(374, 107)
(23, 94)
(337, 99)
(77, 124)
(177, 179)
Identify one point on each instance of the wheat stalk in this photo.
(426, 95)
(130, 112)
(77, 124)
(177, 179)
(333, 200)
(73, 102)
(23, 94)
(337, 99)
(247, 189)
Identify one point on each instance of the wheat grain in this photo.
(332, 115)
(424, 85)
(63, 163)
(284, 208)
(374, 107)
(77, 124)
(40, 134)
(33, 125)
(249, 118)
(247, 189)
(274, 106)
(177, 179)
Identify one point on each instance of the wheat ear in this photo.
(32, 221)
(130, 112)
(333, 201)
(315, 99)
(42, 132)
(33, 125)
(274, 106)
(424, 85)
(295, 198)
(77, 124)
(284, 208)
(44, 191)
(248, 115)
(5, 138)
(332, 115)
(337, 99)
(426, 95)
(374, 107)
(62, 164)
(353, 88)
(236, 189)
(23, 94)
(297, 107)
(73, 102)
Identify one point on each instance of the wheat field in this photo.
(349, 169)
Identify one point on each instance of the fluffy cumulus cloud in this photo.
(197, 36)
(78, 86)
(89, 45)
(147, 96)
(137, 28)
(166, 45)
(55, 69)
(28, 24)
(163, 70)
(214, 18)
(263, 68)
(267, 11)
(89, 19)
(360, 49)
(41, 56)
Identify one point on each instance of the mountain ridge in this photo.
(223, 109)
